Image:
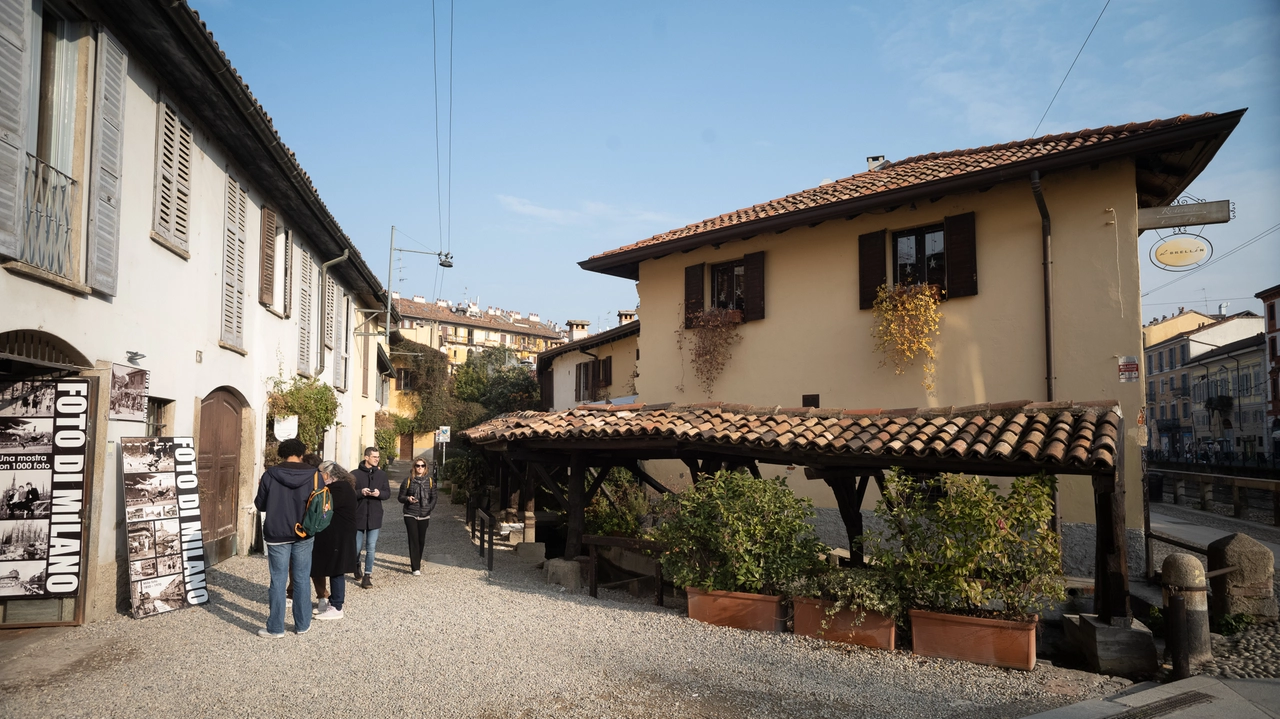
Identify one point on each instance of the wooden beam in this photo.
(550, 484)
(601, 475)
(634, 468)
(577, 508)
(1111, 565)
(850, 491)
(694, 469)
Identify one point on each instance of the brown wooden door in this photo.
(219, 464)
(406, 446)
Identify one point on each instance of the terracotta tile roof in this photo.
(436, 313)
(1067, 436)
(913, 171)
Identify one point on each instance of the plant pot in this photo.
(994, 642)
(876, 630)
(740, 610)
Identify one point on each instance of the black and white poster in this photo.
(45, 440)
(162, 520)
(129, 388)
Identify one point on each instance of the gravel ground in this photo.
(457, 642)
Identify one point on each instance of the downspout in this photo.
(324, 308)
(1047, 252)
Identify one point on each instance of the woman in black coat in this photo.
(334, 554)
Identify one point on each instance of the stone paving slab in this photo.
(1261, 700)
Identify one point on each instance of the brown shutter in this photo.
(753, 286)
(267, 282)
(577, 382)
(693, 293)
(593, 390)
(872, 274)
(962, 256)
(606, 371)
(546, 385)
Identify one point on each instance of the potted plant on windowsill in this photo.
(735, 543)
(973, 566)
(851, 605)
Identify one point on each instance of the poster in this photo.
(45, 439)
(162, 524)
(129, 388)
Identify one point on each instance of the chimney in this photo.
(534, 318)
(577, 329)
(625, 316)
(515, 316)
(1222, 308)
(419, 299)
(395, 295)
(442, 303)
(875, 162)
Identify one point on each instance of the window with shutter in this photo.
(577, 382)
(267, 253)
(872, 273)
(961, 256)
(13, 115)
(174, 156)
(606, 371)
(330, 292)
(693, 293)
(340, 342)
(108, 139)
(286, 239)
(234, 250)
(364, 366)
(753, 287)
(305, 282)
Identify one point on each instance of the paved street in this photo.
(456, 643)
(1177, 524)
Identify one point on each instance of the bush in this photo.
(467, 470)
(619, 508)
(971, 547)
(851, 588)
(734, 532)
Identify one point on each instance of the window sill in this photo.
(21, 268)
(230, 347)
(165, 243)
(272, 310)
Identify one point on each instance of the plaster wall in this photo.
(623, 351)
(814, 339)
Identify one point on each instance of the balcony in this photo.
(1183, 391)
(48, 202)
(1151, 396)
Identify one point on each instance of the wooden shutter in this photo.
(962, 255)
(606, 371)
(339, 334)
(693, 293)
(234, 248)
(267, 251)
(174, 147)
(593, 381)
(577, 382)
(305, 282)
(364, 366)
(330, 292)
(14, 74)
(546, 387)
(107, 159)
(872, 272)
(287, 308)
(753, 286)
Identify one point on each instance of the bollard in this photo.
(1183, 576)
(1176, 628)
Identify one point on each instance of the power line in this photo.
(448, 235)
(1073, 64)
(1265, 233)
(435, 114)
(1206, 299)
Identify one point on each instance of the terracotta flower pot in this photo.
(994, 642)
(876, 630)
(740, 610)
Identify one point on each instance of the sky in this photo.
(565, 129)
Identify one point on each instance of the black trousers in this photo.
(417, 531)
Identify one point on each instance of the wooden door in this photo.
(406, 446)
(219, 464)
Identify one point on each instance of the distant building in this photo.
(1228, 398)
(460, 329)
(1271, 297)
(591, 368)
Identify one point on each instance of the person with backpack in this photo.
(334, 555)
(283, 494)
(372, 489)
(418, 495)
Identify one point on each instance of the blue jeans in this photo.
(280, 557)
(337, 591)
(367, 540)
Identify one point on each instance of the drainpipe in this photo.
(324, 308)
(1046, 250)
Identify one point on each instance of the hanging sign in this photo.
(1190, 214)
(162, 519)
(286, 427)
(45, 440)
(1181, 252)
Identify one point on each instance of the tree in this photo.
(496, 381)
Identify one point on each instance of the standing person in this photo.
(282, 495)
(334, 555)
(418, 495)
(372, 489)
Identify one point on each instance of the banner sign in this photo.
(45, 440)
(162, 516)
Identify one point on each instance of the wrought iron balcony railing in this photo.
(48, 204)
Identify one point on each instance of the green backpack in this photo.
(319, 511)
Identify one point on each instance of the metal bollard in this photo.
(1184, 591)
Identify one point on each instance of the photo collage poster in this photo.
(162, 519)
(45, 442)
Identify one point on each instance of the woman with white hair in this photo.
(334, 554)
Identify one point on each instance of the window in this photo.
(1164, 385)
(1160, 361)
(1186, 410)
(1151, 389)
(1246, 384)
(920, 257)
(174, 152)
(404, 380)
(810, 400)
(234, 247)
(330, 302)
(1183, 352)
(1184, 385)
(1163, 411)
(342, 350)
(158, 416)
(276, 256)
(1151, 364)
(728, 281)
(1171, 364)
(1173, 411)
(306, 279)
(1271, 314)
(584, 382)
(1274, 354)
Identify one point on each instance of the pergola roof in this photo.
(1069, 437)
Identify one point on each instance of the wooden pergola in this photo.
(570, 453)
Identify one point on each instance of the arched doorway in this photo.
(219, 471)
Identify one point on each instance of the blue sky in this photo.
(583, 126)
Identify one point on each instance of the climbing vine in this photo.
(906, 320)
(314, 402)
(714, 332)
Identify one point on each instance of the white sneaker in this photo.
(330, 613)
(320, 606)
(417, 572)
(288, 603)
(303, 631)
(269, 635)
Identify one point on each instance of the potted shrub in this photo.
(971, 565)
(850, 605)
(735, 543)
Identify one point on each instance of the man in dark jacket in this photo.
(372, 489)
(282, 496)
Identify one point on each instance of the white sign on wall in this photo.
(1129, 369)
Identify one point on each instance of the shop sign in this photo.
(45, 442)
(1181, 252)
(162, 519)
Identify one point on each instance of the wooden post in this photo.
(850, 490)
(1111, 567)
(577, 510)
(1239, 500)
(594, 570)
(1275, 506)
